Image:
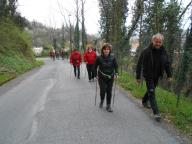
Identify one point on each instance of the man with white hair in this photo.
(152, 62)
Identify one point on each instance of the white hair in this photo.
(158, 36)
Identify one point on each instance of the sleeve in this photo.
(139, 66)
(96, 65)
(71, 59)
(116, 67)
(80, 58)
(85, 57)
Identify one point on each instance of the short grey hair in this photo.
(158, 36)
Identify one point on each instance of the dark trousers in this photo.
(150, 95)
(90, 70)
(77, 71)
(106, 88)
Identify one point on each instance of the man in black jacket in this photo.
(153, 61)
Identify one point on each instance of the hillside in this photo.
(16, 55)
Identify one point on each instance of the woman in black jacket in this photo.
(106, 70)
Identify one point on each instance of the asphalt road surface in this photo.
(50, 106)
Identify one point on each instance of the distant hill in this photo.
(43, 35)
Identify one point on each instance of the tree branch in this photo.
(184, 11)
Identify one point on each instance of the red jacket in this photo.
(90, 57)
(75, 58)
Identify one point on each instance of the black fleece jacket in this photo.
(106, 65)
(152, 63)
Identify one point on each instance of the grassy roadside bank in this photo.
(11, 67)
(16, 55)
(181, 117)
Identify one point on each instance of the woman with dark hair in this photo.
(106, 70)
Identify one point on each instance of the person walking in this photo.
(62, 53)
(106, 70)
(89, 58)
(152, 62)
(75, 60)
(52, 54)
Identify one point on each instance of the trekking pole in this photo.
(96, 92)
(114, 91)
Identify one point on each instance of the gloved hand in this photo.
(116, 75)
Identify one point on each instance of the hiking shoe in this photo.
(101, 104)
(146, 105)
(109, 109)
(157, 117)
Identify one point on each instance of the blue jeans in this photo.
(150, 95)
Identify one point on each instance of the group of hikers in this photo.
(55, 54)
(151, 65)
(89, 58)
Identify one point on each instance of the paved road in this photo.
(49, 106)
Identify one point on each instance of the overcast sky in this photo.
(47, 12)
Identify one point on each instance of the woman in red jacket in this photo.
(89, 58)
(75, 60)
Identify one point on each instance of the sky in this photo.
(48, 12)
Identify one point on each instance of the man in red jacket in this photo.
(89, 58)
(75, 60)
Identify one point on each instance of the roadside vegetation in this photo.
(180, 116)
(16, 56)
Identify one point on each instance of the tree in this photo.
(63, 37)
(185, 69)
(3, 8)
(105, 19)
(83, 34)
(172, 28)
(77, 33)
(112, 21)
(12, 7)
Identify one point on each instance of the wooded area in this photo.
(150, 17)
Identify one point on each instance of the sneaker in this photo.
(101, 104)
(109, 109)
(146, 105)
(157, 117)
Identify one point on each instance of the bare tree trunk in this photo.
(83, 36)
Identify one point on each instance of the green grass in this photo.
(5, 77)
(181, 117)
(16, 56)
(11, 67)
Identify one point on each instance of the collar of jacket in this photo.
(151, 47)
(105, 57)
